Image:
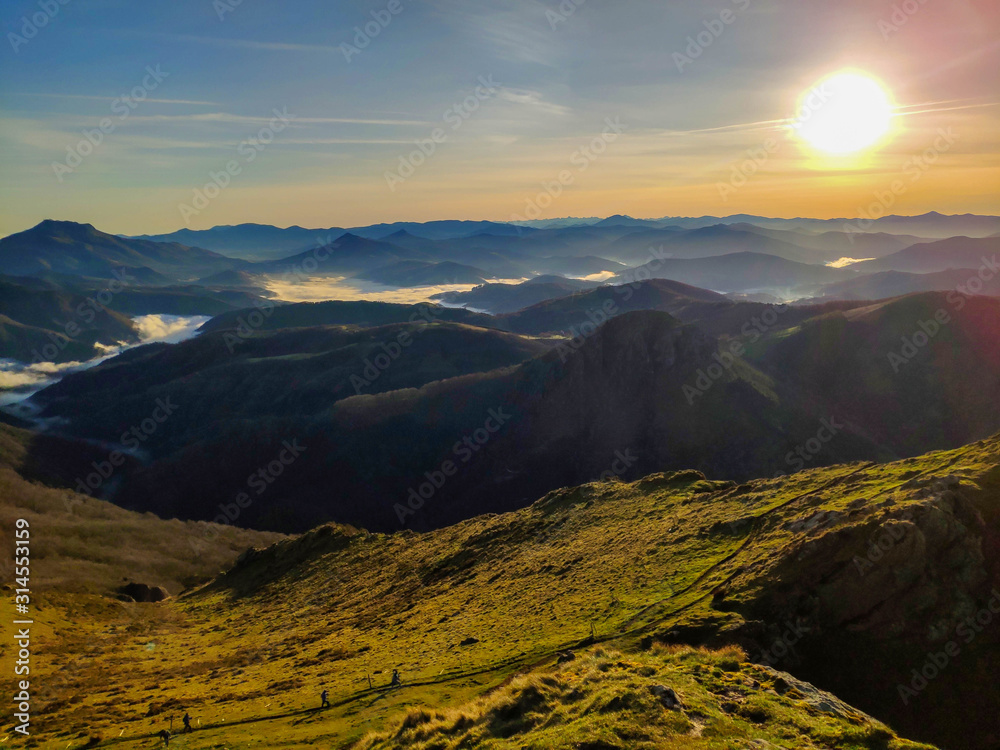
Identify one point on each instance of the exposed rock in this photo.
(821, 519)
(142, 592)
(899, 569)
(667, 697)
(818, 699)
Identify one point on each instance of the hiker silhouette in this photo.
(164, 735)
(396, 682)
(187, 722)
(324, 703)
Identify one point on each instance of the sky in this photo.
(350, 113)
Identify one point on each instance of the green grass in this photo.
(604, 699)
(619, 564)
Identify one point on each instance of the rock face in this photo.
(914, 570)
(818, 699)
(142, 592)
(869, 594)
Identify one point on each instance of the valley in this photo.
(576, 488)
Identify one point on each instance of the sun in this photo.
(844, 113)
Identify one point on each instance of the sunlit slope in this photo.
(672, 558)
(673, 697)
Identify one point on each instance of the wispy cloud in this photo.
(226, 117)
(95, 98)
(532, 99)
(517, 33)
(248, 43)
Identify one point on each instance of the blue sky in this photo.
(558, 77)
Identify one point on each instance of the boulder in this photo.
(143, 592)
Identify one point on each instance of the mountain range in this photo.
(609, 484)
(667, 389)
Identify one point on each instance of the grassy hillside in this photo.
(608, 700)
(289, 374)
(340, 313)
(918, 372)
(492, 602)
(84, 545)
(42, 322)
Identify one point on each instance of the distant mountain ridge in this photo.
(65, 247)
(942, 255)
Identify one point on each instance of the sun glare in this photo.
(844, 113)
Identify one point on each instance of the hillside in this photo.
(187, 299)
(253, 242)
(930, 257)
(919, 372)
(410, 273)
(832, 244)
(540, 626)
(272, 316)
(507, 298)
(274, 377)
(89, 547)
(736, 272)
(583, 310)
(642, 382)
(346, 255)
(705, 242)
(561, 418)
(887, 284)
(65, 247)
(40, 321)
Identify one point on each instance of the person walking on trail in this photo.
(164, 735)
(324, 703)
(187, 722)
(396, 682)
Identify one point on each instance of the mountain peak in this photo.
(49, 226)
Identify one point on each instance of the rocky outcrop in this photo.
(143, 592)
(891, 570)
